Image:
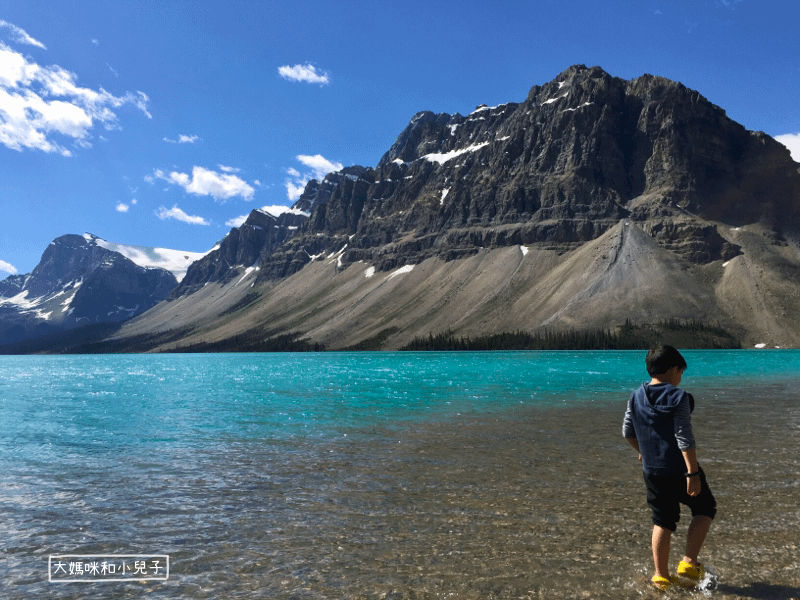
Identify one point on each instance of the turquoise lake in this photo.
(381, 475)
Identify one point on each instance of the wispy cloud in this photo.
(177, 214)
(38, 104)
(236, 221)
(7, 268)
(205, 182)
(728, 3)
(19, 35)
(792, 142)
(122, 207)
(319, 165)
(306, 73)
(183, 139)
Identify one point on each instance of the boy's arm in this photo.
(686, 443)
(635, 443)
(692, 483)
(628, 432)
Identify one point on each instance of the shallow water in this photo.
(383, 476)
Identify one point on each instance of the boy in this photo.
(658, 425)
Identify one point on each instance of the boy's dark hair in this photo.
(662, 358)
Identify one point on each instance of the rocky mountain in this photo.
(243, 249)
(80, 281)
(595, 201)
(580, 154)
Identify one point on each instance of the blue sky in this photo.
(162, 123)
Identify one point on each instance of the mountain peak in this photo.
(582, 152)
(80, 280)
(174, 261)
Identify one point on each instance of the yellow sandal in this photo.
(662, 583)
(694, 572)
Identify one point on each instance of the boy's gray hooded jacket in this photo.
(658, 416)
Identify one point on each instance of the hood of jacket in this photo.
(662, 398)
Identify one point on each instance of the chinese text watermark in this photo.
(64, 568)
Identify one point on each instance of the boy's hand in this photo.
(693, 485)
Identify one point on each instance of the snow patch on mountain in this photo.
(20, 300)
(175, 261)
(277, 210)
(443, 157)
(581, 106)
(401, 271)
(551, 100)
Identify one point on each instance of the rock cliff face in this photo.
(244, 248)
(78, 282)
(593, 201)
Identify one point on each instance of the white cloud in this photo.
(122, 207)
(319, 165)
(236, 221)
(204, 182)
(792, 142)
(295, 190)
(177, 214)
(39, 104)
(7, 268)
(306, 73)
(228, 169)
(183, 139)
(20, 36)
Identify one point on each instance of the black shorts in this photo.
(665, 494)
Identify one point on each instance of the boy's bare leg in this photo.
(661, 540)
(698, 530)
